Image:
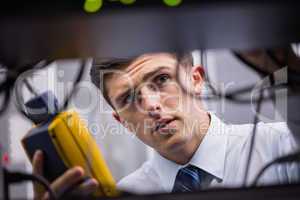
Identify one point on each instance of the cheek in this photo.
(129, 121)
(172, 97)
(144, 134)
(141, 127)
(135, 122)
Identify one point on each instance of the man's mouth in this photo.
(163, 124)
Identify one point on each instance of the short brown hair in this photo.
(100, 65)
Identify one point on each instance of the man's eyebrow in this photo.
(151, 73)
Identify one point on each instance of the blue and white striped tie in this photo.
(188, 179)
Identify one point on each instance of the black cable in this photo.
(18, 87)
(76, 82)
(19, 101)
(30, 87)
(284, 159)
(293, 75)
(17, 177)
(5, 103)
(233, 95)
(276, 61)
(250, 64)
(5, 86)
(18, 98)
(253, 137)
(11, 76)
(207, 77)
(216, 94)
(32, 90)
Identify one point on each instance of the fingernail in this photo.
(46, 196)
(90, 182)
(78, 171)
(39, 152)
(95, 182)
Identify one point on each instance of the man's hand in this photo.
(65, 182)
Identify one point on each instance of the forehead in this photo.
(133, 74)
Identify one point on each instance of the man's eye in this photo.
(161, 79)
(129, 99)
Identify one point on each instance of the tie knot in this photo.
(188, 178)
(191, 167)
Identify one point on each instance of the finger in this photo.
(38, 162)
(82, 191)
(67, 180)
(87, 187)
(37, 165)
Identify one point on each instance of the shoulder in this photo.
(275, 134)
(265, 130)
(281, 137)
(273, 137)
(142, 181)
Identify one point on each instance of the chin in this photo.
(177, 142)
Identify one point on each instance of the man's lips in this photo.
(162, 123)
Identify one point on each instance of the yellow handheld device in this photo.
(66, 142)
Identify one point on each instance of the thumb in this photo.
(38, 165)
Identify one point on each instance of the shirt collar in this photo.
(210, 155)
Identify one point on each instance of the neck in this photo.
(183, 154)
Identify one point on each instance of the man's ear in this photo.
(119, 119)
(198, 79)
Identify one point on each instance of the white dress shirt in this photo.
(223, 155)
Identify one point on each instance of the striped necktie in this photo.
(188, 179)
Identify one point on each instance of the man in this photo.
(153, 96)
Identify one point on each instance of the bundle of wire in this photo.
(8, 80)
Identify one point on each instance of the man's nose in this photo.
(150, 101)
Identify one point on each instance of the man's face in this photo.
(150, 102)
